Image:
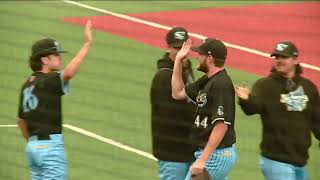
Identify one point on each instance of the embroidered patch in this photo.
(58, 46)
(226, 154)
(295, 100)
(180, 35)
(220, 111)
(202, 99)
(281, 47)
(41, 147)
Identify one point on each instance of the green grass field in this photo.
(110, 95)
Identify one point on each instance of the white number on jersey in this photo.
(30, 101)
(202, 123)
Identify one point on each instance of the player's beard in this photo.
(56, 68)
(203, 67)
(284, 69)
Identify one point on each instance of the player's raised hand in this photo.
(74, 65)
(88, 32)
(182, 54)
(242, 91)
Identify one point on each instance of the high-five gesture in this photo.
(88, 32)
(242, 91)
(182, 54)
(176, 80)
(74, 65)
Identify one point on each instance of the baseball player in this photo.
(289, 106)
(213, 129)
(171, 123)
(39, 114)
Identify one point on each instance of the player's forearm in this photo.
(73, 67)
(215, 138)
(23, 128)
(176, 80)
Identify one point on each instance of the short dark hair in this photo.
(35, 63)
(219, 62)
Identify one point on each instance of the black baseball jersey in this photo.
(40, 103)
(215, 99)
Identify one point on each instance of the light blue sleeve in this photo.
(64, 84)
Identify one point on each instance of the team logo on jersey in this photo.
(180, 35)
(220, 111)
(202, 99)
(295, 100)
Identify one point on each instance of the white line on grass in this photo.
(103, 139)
(109, 141)
(9, 125)
(198, 36)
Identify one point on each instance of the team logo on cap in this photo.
(58, 47)
(281, 47)
(180, 35)
(201, 99)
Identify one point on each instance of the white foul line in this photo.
(198, 36)
(9, 125)
(103, 139)
(109, 141)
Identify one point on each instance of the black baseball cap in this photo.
(285, 48)
(46, 47)
(213, 47)
(176, 37)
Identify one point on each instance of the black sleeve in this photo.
(56, 83)
(316, 114)
(192, 90)
(254, 104)
(20, 108)
(161, 86)
(161, 97)
(222, 97)
(189, 72)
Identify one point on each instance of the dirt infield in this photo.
(258, 27)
